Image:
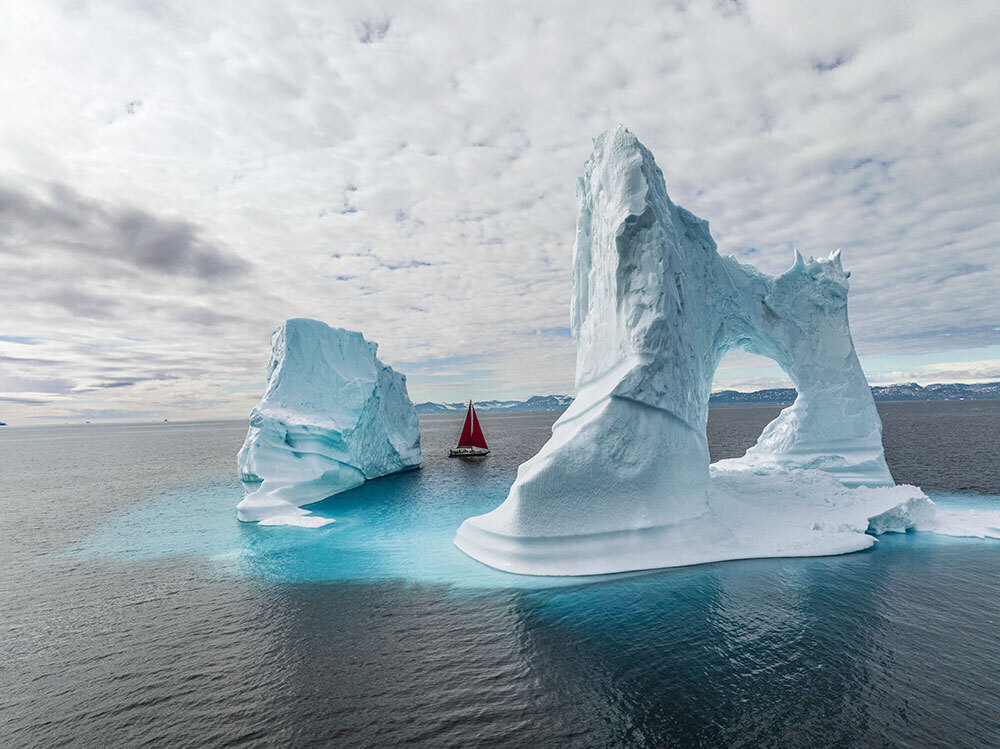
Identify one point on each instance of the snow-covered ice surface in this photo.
(332, 417)
(624, 483)
(748, 514)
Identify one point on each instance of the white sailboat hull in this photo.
(468, 452)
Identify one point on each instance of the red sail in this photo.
(472, 433)
(478, 440)
(466, 439)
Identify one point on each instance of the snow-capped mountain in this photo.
(911, 391)
(534, 403)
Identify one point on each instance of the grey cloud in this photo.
(170, 246)
(825, 66)
(371, 31)
(79, 302)
(200, 315)
(730, 7)
(12, 384)
(121, 383)
(407, 264)
(68, 220)
(24, 401)
(26, 360)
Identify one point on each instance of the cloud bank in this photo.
(177, 179)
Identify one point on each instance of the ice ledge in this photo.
(752, 514)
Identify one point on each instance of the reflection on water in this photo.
(159, 619)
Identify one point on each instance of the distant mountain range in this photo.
(534, 403)
(911, 391)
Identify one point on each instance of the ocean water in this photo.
(135, 610)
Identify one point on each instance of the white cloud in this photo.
(984, 370)
(426, 154)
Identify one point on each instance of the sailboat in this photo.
(472, 442)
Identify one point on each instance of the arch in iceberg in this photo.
(654, 309)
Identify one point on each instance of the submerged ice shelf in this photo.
(332, 417)
(397, 528)
(624, 482)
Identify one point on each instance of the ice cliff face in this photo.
(625, 477)
(332, 417)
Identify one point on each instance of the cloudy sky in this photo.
(177, 178)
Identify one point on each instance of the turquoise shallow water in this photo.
(136, 610)
(397, 528)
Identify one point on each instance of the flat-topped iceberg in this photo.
(332, 417)
(624, 482)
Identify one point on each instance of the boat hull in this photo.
(468, 452)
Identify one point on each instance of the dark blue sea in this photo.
(136, 611)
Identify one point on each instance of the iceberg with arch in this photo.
(624, 483)
(332, 417)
